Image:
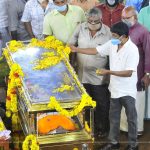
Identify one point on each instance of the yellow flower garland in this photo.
(51, 42)
(86, 100)
(30, 143)
(63, 88)
(50, 59)
(2, 127)
(14, 81)
(47, 62)
(15, 45)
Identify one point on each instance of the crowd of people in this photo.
(110, 43)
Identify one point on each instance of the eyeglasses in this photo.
(94, 21)
(59, 2)
(127, 17)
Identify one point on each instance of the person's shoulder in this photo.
(50, 14)
(132, 46)
(106, 30)
(83, 25)
(145, 10)
(121, 6)
(30, 3)
(142, 29)
(12, 2)
(105, 27)
(101, 5)
(76, 8)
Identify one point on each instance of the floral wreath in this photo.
(47, 60)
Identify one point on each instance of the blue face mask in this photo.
(61, 8)
(115, 41)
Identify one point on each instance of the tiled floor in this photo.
(144, 141)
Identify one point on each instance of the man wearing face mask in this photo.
(123, 60)
(111, 11)
(91, 34)
(33, 17)
(63, 20)
(141, 37)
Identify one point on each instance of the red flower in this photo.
(16, 75)
(8, 98)
(13, 91)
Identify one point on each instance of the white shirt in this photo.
(34, 13)
(127, 58)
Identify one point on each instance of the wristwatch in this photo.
(148, 74)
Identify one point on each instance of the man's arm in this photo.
(27, 18)
(103, 50)
(146, 48)
(74, 38)
(88, 51)
(124, 73)
(28, 27)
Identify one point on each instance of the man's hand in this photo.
(146, 81)
(73, 48)
(102, 72)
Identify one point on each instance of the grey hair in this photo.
(94, 12)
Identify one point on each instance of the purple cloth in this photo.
(141, 37)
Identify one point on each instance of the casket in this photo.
(34, 95)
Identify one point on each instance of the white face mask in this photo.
(94, 27)
(128, 23)
(111, 2)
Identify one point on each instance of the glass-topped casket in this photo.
(38, 85)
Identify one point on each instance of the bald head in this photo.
(128, 12)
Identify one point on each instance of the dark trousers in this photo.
(101, 95)
(116, 105)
